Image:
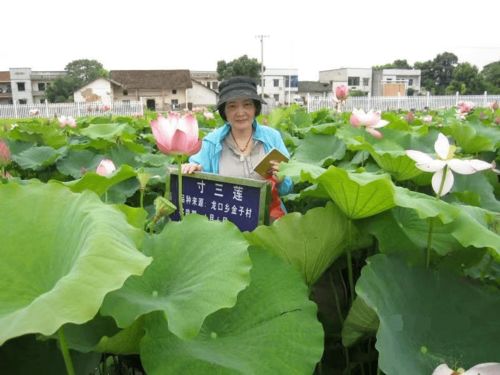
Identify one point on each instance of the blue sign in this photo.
(239, 200)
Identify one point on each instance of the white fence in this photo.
(49, 110)
(392, 103)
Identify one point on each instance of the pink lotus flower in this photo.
(410, 116)
(176, 134)
(341, 93)
(494, 105)
(481, 369)
(464, 108)
(34, 112)
(4, 154)
(67, 121)
(105, 168)
(442, 180)
(371, 121)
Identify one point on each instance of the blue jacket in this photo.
(209, 155)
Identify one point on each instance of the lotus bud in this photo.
(5, 157)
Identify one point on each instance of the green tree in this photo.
(242, 66)
(79, 73)
(437, 74)
(397, 64)
(85, 71)
(491, 75)
(466, 80)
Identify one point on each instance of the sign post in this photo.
(243, 201)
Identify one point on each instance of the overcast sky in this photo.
(309, 35)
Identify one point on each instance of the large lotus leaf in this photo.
(425, 205)
(125, 341)
(361, 321)
(26, 355)
(61, 254)
(470, 141)
(37, 158)
(359, 195)
(100, 184)
(301, 172)
(108, 132)
(416, 230)
(480, 186)
(398, 165)
(429, 317)
(315, 149)
(309, 242)
(469, 225)
(78, 162)
(273, 329)
(199, 267)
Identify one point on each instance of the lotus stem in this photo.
(349, 260)
(431, 221)
(70, 370)
(180, 205)
(141, 197)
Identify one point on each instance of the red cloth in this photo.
(275, 209)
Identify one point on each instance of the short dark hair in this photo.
(256, 103)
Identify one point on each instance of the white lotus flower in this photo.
(445, 164)
(481, 369)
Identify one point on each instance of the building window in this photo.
(410, 82)
(43, 101)
(20, 86)
(41, 86)
(23, 101)
(366, 81)
(174, 92)
(174, 103)
(353, 81)
(277, 97)
(291, 81)
(276, 82)
(215, 85)
(125, 92)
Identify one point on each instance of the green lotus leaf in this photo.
(359, 195)
(108, 132)
(470, 139)
(78, 162)
(361, 321)
(273, 329)
(199, 267)
(315, 149)
(37, 158)
(309, 242)
(429, 317)
(398, 165)
(61, 254)
(301, 172)
(425, 205)
(125, 341)
(28, 355)
(416, 230)
(100, 184)
(481, 187)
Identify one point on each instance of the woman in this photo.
(235, 148)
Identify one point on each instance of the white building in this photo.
(355, 78)
(280, 84)
(393, 82)
(206, 77)
(28, 87)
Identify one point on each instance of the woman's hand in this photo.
(190, 168)
(273, 171)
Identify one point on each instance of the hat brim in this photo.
(238, 95)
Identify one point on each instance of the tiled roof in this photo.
(152, 79)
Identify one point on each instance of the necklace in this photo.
(246, 144)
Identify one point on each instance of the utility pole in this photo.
(261, 37)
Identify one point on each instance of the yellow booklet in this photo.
(264, 165)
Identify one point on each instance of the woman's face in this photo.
(240, 113)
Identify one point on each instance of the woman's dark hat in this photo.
(239, 87)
